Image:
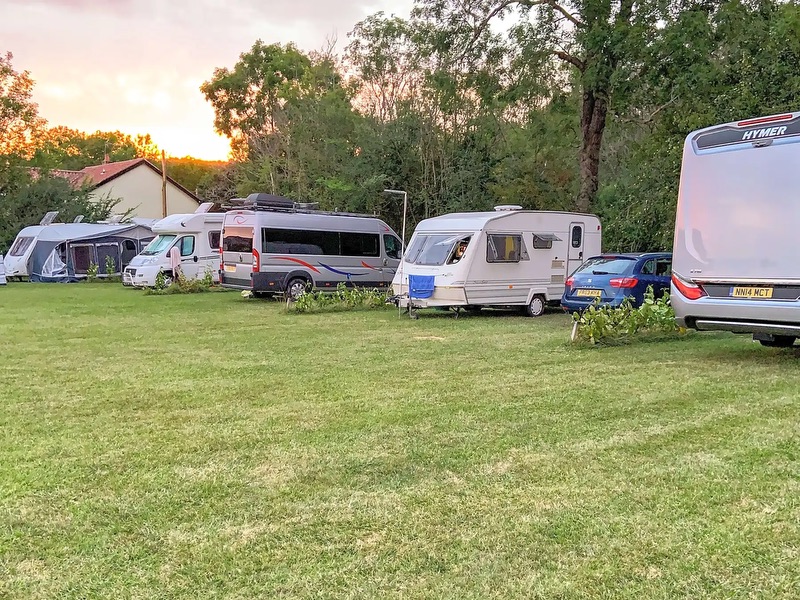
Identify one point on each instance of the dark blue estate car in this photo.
(614, 277)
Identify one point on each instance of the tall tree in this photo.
(19, 115)
(595, 43)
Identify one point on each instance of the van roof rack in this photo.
(270, 202)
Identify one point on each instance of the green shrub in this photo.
(181, 285)
(604, 324)
(344, 298)
(92, 271)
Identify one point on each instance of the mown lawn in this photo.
(208, 446)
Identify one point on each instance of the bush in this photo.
(344, 298)
(604, 324)
(181, 285)
(92, 271)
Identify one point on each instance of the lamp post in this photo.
(402, 239)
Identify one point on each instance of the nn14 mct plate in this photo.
(589, 293)
(750, 292)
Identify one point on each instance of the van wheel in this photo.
(536, 306)
(779, 341)
(296, 288)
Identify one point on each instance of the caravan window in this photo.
(502, 248)
(544, 241)
(20, 246)
(158, 245)
(431, 249)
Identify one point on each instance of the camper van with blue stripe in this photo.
(273, 245)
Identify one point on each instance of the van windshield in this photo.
(431, 249)
(158, 245)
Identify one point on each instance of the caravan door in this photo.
(576, 241)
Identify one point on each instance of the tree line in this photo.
(581, 105)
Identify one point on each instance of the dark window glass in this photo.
(393, 246)
(187, 245)
(296, 241)
(360, 244)
(237, 239)
(608, 265)
(503, 248)
(664, 267)
(82, 257)
(104, 251)
(577, 236)
(649, 267)
(20, 246)
(213, 239)
(540, 243)
(128, 251)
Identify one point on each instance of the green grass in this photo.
(206, 446)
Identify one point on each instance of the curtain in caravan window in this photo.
(503, 248)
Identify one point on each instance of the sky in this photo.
(137, 65)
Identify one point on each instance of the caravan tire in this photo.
(535, 307)
(296, 288)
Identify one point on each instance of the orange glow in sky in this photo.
(136, 66)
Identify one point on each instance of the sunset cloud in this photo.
(137, 65)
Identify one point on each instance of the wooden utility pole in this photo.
(163, 184)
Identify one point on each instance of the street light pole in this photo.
(402, 241)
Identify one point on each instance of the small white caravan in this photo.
(509, 257)
(196, 236)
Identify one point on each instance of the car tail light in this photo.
(690, 291)
(256, 261)
(568, 282)
(624, 282)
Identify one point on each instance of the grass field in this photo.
(208, 446)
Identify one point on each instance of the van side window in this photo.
(360, 244)
(503, 248)
(299, 241)
(213, 239)
(392, 246)
(186, 245)
(577, 236)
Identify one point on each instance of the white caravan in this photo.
(509, 257)
(735, 262)
(196, 238)
(18, 256)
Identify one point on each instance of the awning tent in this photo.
(64, 252)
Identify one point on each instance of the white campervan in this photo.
(196, 236)
(509, 257)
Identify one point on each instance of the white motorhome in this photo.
(279, 246)
(734, 264)
(509, 257)
(196, 236)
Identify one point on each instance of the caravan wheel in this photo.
(536, 306)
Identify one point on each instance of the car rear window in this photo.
(607, 265)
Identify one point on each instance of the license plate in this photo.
(589, 293)
(230, 268)
(751, 292)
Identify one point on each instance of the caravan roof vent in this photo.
(78, 219)
(49, 217)
(204, 208)
(306, 205)
(502, 207)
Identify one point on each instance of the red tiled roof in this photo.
(97, 175)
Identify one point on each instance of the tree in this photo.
(597, 44)
(19, 117)
(72, 150)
